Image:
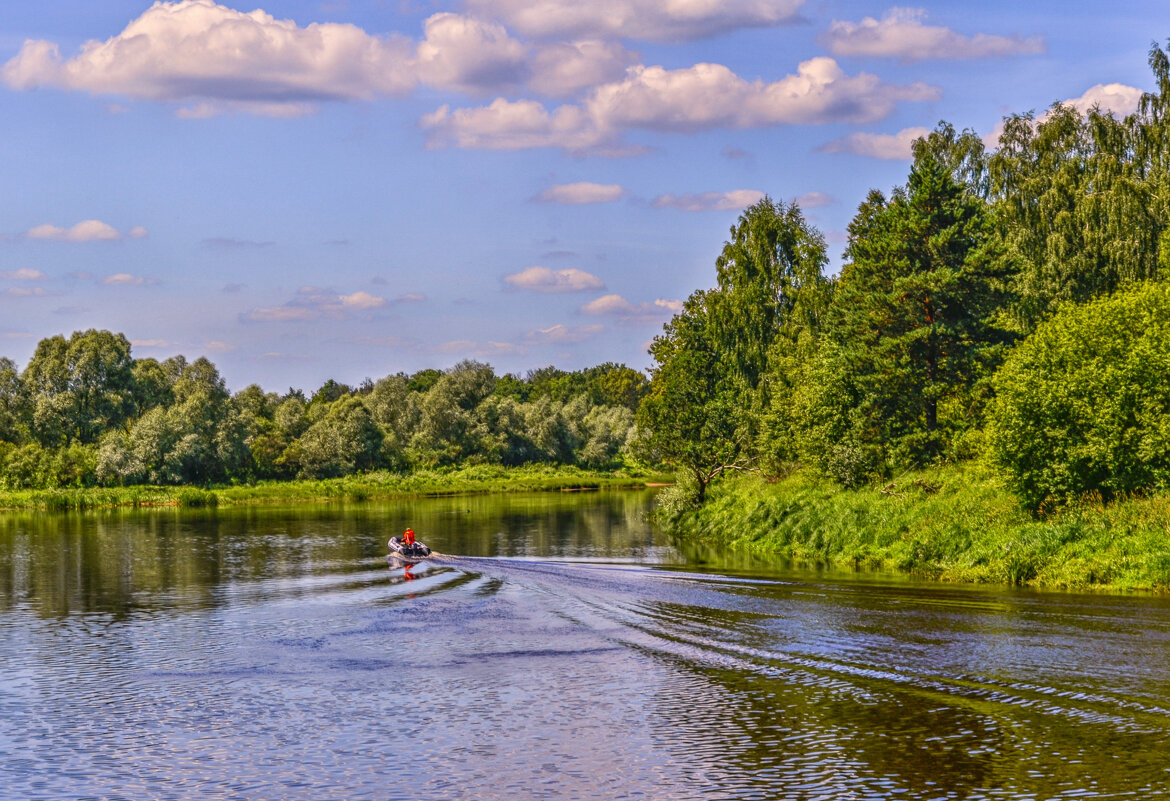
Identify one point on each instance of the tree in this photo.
(914, 314)
(344, 441)
(693, 415)
(13, 403)
(1083, 405)
(771, 283)
(79, 387)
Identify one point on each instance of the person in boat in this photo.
(408, 538)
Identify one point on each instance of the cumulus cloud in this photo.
(563, 69)
(617, 306)
(901, 34)
(469, 55)
(637, 19)
(814, 199)
(220, 59)
(1116, 98)
(1113, 98)
(561, 334)
(580, 193)
(214, 60)
(709, 201)
(22, 274)
(698, 98)
(313, 303)
(879, 146)
(127, 279)
(84, 231)
(513, 125)
(545, 279)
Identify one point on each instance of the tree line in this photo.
(85, 412)
(975, 316)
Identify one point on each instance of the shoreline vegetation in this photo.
(375, 485)
(956, 523)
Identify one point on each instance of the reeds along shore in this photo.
(954, 523)
(367, 486)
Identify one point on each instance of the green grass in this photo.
(956, 523)
(366, 486)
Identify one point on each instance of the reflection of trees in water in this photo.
(120, 560)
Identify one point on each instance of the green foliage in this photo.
(709, 385)
(952, 523)
(1083, 405)
(913, 321)
(79, 387)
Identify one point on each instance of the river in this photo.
(559, 649)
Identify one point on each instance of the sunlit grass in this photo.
(956, 523)
(378, 484)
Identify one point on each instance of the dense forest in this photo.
(84, 412)
(1004, 304)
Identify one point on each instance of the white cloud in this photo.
(1114, 98)
(361, 300)
(508, 125)
(708, 96)
(709, 201)
(149, 343)
(583, 192)
(411, 297)
(563, 69)
(84, 231)
(560, 334)
(545, 279)
(313, 303)
(698, 98)
(22, 274)
(901, 34)
(137, 232)
(469, 55)
(221, 59)
(813, 199)
(126, 279)
(878, 146)
(617, 306)
(216, 346)
(637, 19)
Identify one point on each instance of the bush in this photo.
(1083, 405)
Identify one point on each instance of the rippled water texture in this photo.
(561, 652)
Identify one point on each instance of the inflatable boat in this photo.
(403, 551)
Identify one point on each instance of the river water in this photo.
(560, 649)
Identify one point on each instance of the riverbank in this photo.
(956, 523)
(366, 486)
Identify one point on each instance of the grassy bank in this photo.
(367, 486)
(954, 524)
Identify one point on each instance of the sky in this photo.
(347, 189)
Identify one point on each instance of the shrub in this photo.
(1083, 405)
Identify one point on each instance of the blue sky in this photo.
(349, 188)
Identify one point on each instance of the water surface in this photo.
(561, 650)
